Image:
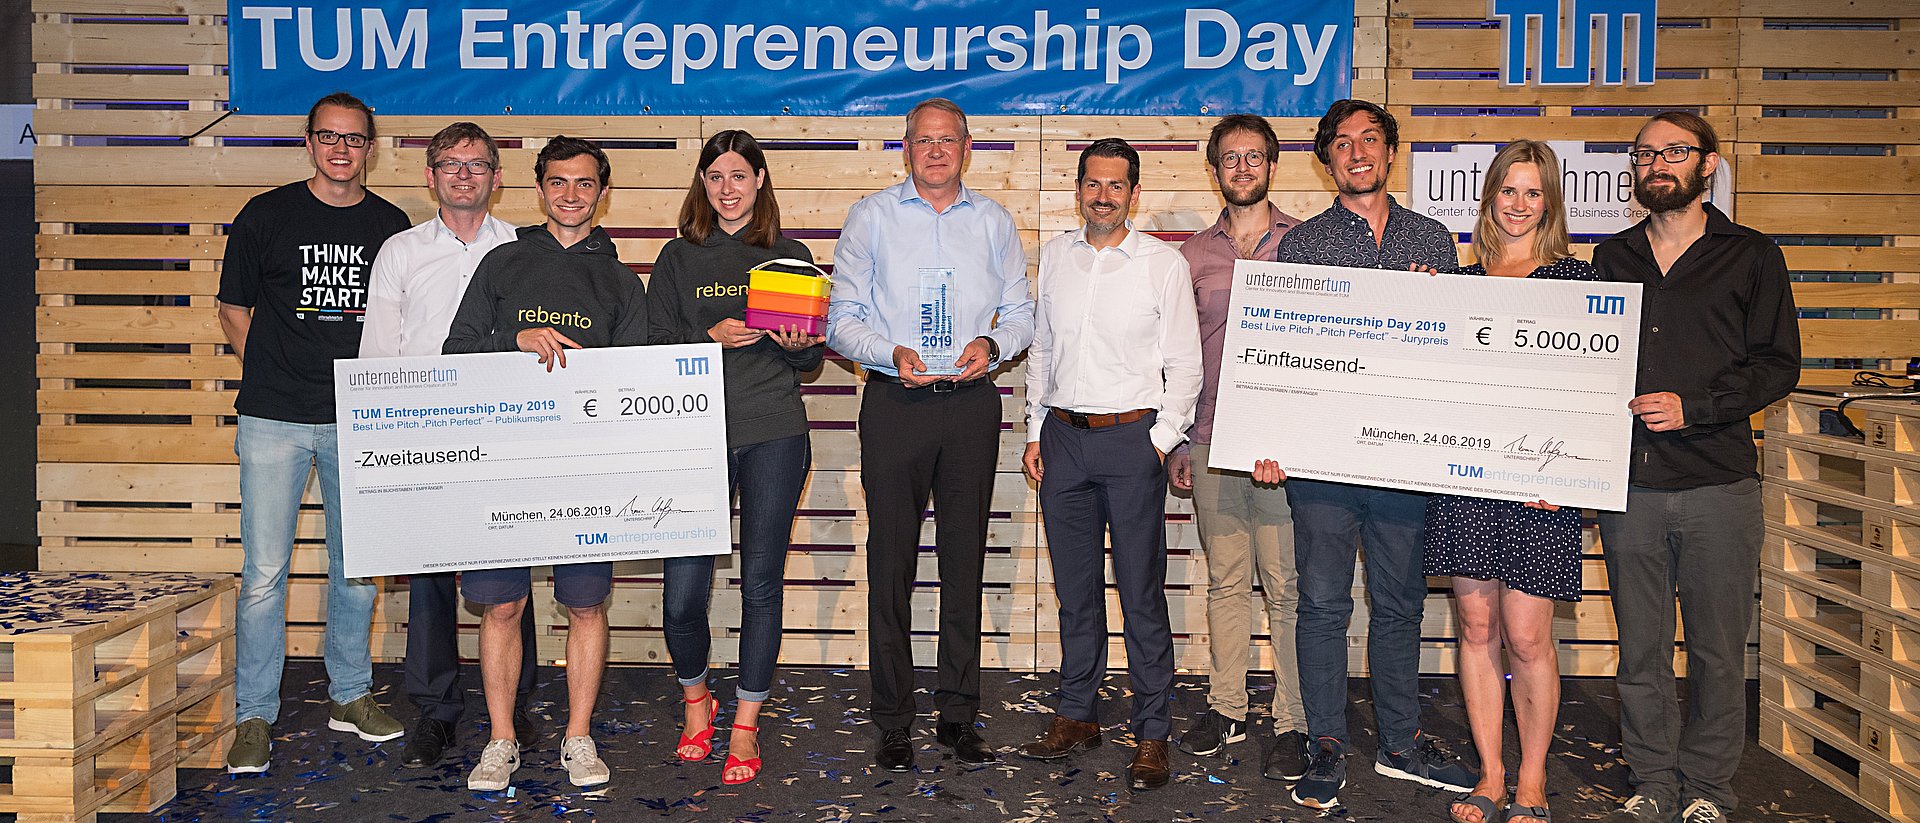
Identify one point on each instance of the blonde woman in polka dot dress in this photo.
(1510, 561)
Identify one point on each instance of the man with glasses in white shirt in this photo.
(418, 279)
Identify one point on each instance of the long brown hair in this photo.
(697, 217)
(1550, 241)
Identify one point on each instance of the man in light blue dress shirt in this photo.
(929, 293)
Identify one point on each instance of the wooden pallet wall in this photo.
(136, 465)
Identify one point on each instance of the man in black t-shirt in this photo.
(293, 291)
(1719, 342)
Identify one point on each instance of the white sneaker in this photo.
(1701, 810)
(497, 763)
(584, 766)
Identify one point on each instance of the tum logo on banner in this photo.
(1606, 304)
(1625, 27)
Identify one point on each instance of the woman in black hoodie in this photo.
(729, 224)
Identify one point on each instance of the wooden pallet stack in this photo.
(108, 683)
(1840, 598)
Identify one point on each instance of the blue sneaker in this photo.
(1428, 764)
(1326, 775)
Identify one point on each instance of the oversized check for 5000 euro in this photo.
(1497, 387)
(487, 460)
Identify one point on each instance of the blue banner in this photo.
(801, 57)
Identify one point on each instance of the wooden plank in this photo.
(129, 246)
(1755, 91)
(1857, 295)
(138, 366)
(147, 282)
(1849, 175)
(1803, 49)
(182, 123)
(130, 86)
(1411, 48)
(1827, 9)
(127, 324)
(1494, 129)
(1852, 258)
(1477, 9)
(135, 401)
(1084, 127)
(1403, 90)
(132, 7)
(259, 166)
(147, 444)
(774, 127)
(144, 44)
(625, 207)
(1826, 130)
(1859, 338)
(1830, 213)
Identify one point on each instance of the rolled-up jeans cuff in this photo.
(751, 697)
(695, 680)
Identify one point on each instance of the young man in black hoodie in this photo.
(559, 286)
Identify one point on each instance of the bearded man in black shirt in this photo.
(1718, 343)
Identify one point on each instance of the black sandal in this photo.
(1516, 811)
(1489, 809)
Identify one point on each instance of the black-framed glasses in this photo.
(328, 137)
(1254, 158)
(453, 167)
(1671, 154)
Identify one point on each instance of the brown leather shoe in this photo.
(1149, 768)
(1064, 737)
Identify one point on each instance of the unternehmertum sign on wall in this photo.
(758, 57)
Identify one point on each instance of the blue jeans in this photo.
(275, 459)
(1331, 520)
(769, 477)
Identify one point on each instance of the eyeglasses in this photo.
(355, 140)
(924, 143)
(453, 167)
(1671, 154)
(1253, 158)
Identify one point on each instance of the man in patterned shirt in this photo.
(1364, 227)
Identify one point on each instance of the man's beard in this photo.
(1661, 201)
(1254, 195)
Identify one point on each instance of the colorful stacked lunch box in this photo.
(787, 293)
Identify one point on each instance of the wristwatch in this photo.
(993, 349)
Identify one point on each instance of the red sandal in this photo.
(751, 764)
(704, 739)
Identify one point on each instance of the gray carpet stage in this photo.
(818, 747)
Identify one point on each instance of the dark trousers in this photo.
(1702, 545)
(1330, 522)
(432, 667)
(769, 477)
(1095, 480)
(916, 442)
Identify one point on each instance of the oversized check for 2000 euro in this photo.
(1496, 387)
(488, 460)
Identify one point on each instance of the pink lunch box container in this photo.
(773, 320)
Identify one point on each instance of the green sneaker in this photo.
(364, 718)
(252, 742)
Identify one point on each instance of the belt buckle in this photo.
(1079, 420)
(943, 386)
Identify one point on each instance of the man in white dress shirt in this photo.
(1112, 378)
(418, 279)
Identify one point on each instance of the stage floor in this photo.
(818, 744)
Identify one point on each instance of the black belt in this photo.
(1081, 420)
(938, 387)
